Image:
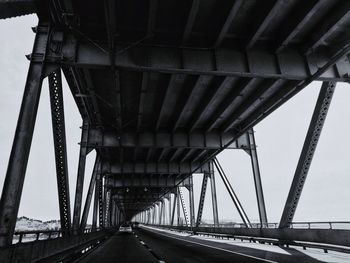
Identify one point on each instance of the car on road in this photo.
(125, 228)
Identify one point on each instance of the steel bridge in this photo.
(163, 87)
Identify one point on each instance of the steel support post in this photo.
(183, 205)
(107, 212)
(257, 178)
(213, 195)
(202, 198)
(80, 178)
(113, 213)
(233, 195)
(59, 139)
(86, 210)
(154, 214)
(178, 206)
(161, 212)
(174, 206)
(307, 153)
(191, 198)
(169, 208)
(95, 209)
(16, 169)
(100, 201)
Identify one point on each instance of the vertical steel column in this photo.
(13, 185)
(169, 207)
(94, 214)
(178, 206)
(161, 211)
(183, 205)
(202, 198)
(174, 206)
(213, 194)
(233, 195)
(89, 194)
(80, 177)
(59, 138)
(257, 178)
(100, 202)
(191, 198)
(112, 213)
(307, 153)
(154, 214)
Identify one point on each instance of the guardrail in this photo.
(54, 249)
(35, 235)
(295, 225)
(304, 236)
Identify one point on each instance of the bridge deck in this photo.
(149, 245)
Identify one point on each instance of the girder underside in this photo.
(166, 85)
(171, 69)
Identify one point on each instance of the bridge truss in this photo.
(163, 87)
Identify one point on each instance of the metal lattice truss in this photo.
(162, 88)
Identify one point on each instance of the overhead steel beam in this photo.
(231, 16)
(163, 101)
(80, 178)
(146, 181)
(190, 21)
(262, 25)
(186, 96)
(296, 21)
(249, 102)
(336, 18)
(229, 99)
(16, 169)
(151, 168)
(307, 153)
(59, 138)
(217, 85)
(200, 140)
(152, 15)
(15, 8)
(257, 178)
(144, 85)
(233, 195)
(287, 64)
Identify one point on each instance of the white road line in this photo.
(218, 248)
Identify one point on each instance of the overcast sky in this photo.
(279, 138)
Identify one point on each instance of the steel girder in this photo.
(288, 64)
(59, 136)
(202, 198)
(307, 153)
(13, 185)
(13, 8)
(257, 178)
(80, 179)
(123, 181)
(152, 168)
(213, 195)
(194, 140)
(86, 210)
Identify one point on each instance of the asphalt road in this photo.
(147, 245)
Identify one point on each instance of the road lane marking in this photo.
(218, 248)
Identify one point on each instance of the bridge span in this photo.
(162, 88)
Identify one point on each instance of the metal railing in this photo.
(295, 225)
(35, 235)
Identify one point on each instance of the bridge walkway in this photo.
(149, 245)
